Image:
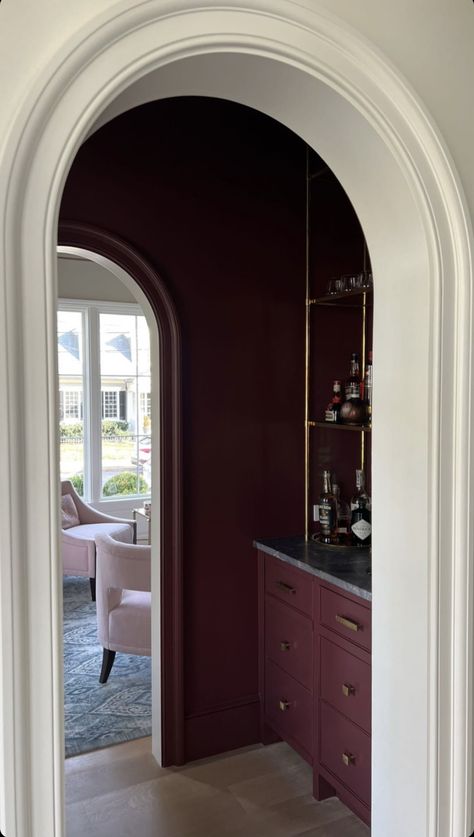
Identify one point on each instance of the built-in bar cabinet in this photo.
(315, 599)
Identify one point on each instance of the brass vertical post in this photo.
(307, 358)
(364, 329)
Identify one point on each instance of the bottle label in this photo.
(330, 415)
(326, 518)
(361, 529)
(352, 391)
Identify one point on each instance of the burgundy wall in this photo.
(212, 194)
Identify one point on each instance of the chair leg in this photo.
(107, 663)
(92, 583)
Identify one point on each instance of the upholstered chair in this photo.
(123, 600)
(80, 525)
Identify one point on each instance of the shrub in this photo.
(114, 427)
(125, 483)
(78, 483)
(68, 430)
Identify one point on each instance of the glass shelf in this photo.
(341, 298)
(328, 425)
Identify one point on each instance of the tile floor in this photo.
(255, 792)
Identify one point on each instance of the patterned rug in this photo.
(97, 716)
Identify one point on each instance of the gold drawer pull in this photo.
(286, 587)
(348, 623)
(348, 759)
(285, 646)
(284, 705)
(347, 690)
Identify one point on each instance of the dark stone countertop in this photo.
(343, 567)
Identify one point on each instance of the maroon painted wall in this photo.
(212, 194)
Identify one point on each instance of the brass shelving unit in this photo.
(360, 299)
(358, 428)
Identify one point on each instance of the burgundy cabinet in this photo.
(290, 585)
(343, 697)
(346, 617)
(289, 709)
(345, 683)
(344, 750)
(315, 678)
(289, 641)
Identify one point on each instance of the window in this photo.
(70, 404)
(110, 403)
(145, 404)
(104, 399)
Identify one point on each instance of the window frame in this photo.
(104, 405)
(92, 392)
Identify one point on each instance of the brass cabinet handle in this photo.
(286, 587)
(348, 690)
(348, 759)
(284, 705)
(348, 623)
(285, 646)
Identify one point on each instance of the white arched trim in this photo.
(319, 78)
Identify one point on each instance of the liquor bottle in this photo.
(368, 387)
(333, 409)
(361, 515)
(343, 514)
(353, 381)
(327, 512)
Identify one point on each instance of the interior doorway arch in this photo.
(167, 617)
(345, 101)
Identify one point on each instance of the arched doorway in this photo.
(348, 105)
(167, 621)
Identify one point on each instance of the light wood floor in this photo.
(255, 792)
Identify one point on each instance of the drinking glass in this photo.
(332, 286)
(355, 281)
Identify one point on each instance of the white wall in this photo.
(429, 41)
(82, 279)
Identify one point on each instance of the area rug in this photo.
(98, 715)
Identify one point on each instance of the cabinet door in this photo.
(289, 641)
(345, 751)
(290, 585)
(346, 617)
(345, 683)
(289, 709)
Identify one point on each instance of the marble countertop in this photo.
(345, 568)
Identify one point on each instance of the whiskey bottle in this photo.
(343, 514)
(333, 410)
(327, 512)
(361, 514)
(353, 381)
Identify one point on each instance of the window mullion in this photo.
(95, 407)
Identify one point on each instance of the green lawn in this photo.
(114, 455)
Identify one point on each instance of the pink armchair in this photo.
(123, 600)
(78, 539)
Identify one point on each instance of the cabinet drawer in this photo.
(345, 682)
(288, 707)
(292, 586)
(289, 641)
(345, 751)
(345, 617)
